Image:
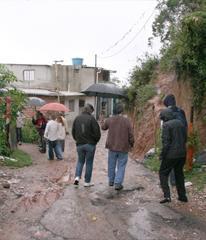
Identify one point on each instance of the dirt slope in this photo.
(146, 128)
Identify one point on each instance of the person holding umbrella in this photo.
(52, 134)
(120, 139)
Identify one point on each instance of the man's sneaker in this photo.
(118, 187)
(76, 181)
(111, 184)
(88, 184)
(165, 200)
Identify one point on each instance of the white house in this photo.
(62, 83)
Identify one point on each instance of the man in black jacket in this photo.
(170, 102)
(173, 154)
(86, 133)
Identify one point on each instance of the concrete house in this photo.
(63, 83)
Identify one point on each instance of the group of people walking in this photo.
(52, 132)
(120, 139)
(86, 133)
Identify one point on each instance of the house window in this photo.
(81, 103)
(28, 75)
(71, 105)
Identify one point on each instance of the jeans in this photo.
(85, 154)
(62, 143)
(54, 146)
(116, 166)
(19, 134)
(165, 168)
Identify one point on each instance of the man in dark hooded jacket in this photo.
(170, 102)
(179, 113)
(173, 154)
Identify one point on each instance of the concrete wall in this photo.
(42, 75)
(60, 77)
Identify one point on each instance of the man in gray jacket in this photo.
(173, 154)
(120, 139)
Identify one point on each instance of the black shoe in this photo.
(111, 184)
(183, 199)
(76, 181)
(118, 187)
(165, 200)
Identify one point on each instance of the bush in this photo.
(29, 132)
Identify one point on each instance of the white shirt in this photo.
(51, 131)
(61, 132)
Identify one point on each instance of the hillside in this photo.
(147, 127)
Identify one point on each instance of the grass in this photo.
(22, 159)
(197, 175)
(153, 163)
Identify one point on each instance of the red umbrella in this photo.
(57, 107)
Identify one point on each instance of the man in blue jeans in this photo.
(86, 133)
(120, 139)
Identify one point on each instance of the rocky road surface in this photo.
(42, 203)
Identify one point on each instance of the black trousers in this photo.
(165, 168)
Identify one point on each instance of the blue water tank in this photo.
(77, 61)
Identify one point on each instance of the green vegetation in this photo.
(197, 176)
(29, 133)
(193, 140)
(181, 25)
(20, 159)
(141, 88)
(153, 163)
(8, 112)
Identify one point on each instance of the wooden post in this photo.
(190, 149)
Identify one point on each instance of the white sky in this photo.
(41, 31)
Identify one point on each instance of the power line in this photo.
(136, 35)
(124, 36)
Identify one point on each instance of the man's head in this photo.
(166, 115)
(118, 108)
(169, 100)
(89, 108)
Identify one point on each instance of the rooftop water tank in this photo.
(77, 63)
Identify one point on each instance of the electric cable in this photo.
(136, 35)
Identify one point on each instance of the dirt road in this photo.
(42, 203)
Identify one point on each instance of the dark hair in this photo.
(118, 108)
(89, 108)
(169, 100)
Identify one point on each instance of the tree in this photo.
(171, 13)
(181, 26)
(8, 116)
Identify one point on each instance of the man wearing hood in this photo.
(179, 113)
(173, 154)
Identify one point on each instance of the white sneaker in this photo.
(76, 181)
(88, 184)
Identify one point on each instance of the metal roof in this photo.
(45, 92)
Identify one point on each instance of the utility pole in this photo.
(95, 81)
(56, 77)
(95, 69)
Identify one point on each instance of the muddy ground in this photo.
(42, 203)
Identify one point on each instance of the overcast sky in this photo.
(41, 31)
